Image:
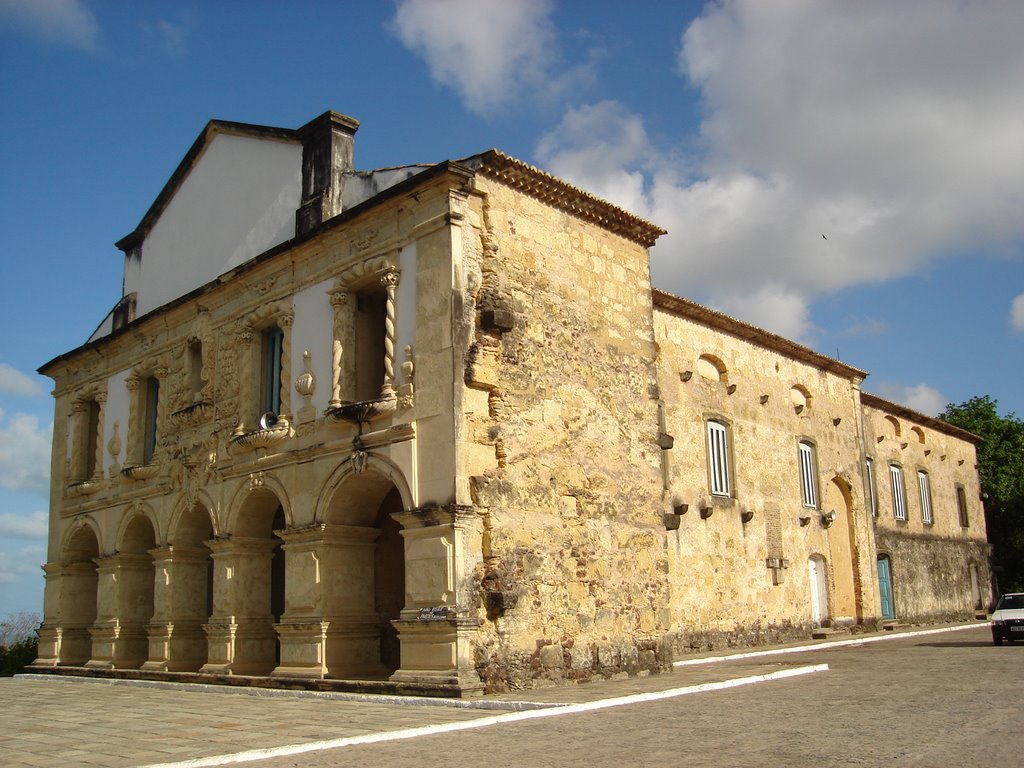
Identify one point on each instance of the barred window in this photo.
(924, 486)
(899, 499)
(808, 479)
(718, 459)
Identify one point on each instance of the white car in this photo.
(1008, 618)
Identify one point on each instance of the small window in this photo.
(90, 438)
(869, 468)
(924, 486)
(152, 395)
(718, 459)
(195, 369)
(270, 383)
(899, 498)
(961, 506)
(808, 475)
(371, 335)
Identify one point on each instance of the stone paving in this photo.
(63, 721)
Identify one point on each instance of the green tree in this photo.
(1001, 469)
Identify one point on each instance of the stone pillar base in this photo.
(241, 648)
(302, 649)
(48, 650)
(437, 652)
(353, 648)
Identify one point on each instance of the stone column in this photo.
(176, 639)
(285, 322)
(124, 594)
(435, 628)
(50, 631)
(342, 361)
(353, 632)
(302, 630)
(390, 282)
(240, 633)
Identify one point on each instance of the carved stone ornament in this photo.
(305, 384)
(264, 438)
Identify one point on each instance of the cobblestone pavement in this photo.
(948, 699)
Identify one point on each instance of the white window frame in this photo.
(899, 498)
(869, 467)
(718, 459)
(924, 486)
(808, 475)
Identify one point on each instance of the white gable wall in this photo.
(239, 200)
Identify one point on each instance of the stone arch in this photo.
(78, 591)
(800, 397)
(249, 577)
(847, 599)
(712, 368)
(184, 506)
(134, 587)
(261, 488)
(373, 463)
(365, 555)
(892, 424)
(189, 564)
(129, 519)
(918, 434)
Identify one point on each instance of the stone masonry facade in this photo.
(441, 434)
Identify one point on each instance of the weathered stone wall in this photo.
(746, 582)
(931, 562)
(931, 575)
(560, 424)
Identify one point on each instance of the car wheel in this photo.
(997, 640)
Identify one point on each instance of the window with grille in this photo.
(899, 498)
(925, 489)
(808, 481)
(869, 468)
(718, 459)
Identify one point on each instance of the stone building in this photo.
(432, 425)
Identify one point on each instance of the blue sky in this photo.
(850, 175)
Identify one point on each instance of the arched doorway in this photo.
(134, 592)
(847, 606)
(77, 610)
(365, 557)
(255, 595)
(818, 584)
(190, 564)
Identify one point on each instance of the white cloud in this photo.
(489, 51)
(13, 381)
(1017, 313)
(171, 36)
(29, 526)
(24, 453)
(842, 144)
(920, 397)
(60, 21)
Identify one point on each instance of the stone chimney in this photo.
(327, 150)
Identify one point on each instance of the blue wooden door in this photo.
(885, 588)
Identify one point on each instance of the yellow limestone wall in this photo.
(559, 427)
(723, 590)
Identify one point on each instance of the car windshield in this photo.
(1010, 602)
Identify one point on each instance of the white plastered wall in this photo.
(311, 330)
(115, 410)
(238, 201)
